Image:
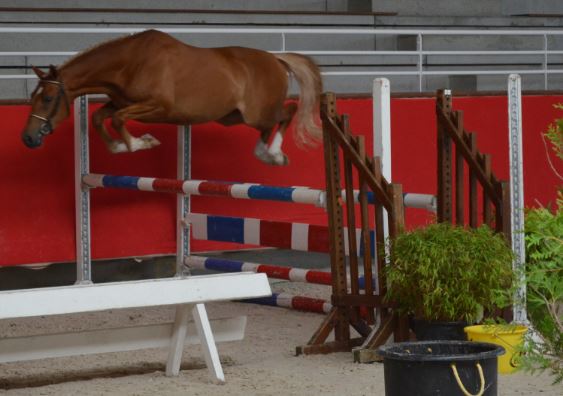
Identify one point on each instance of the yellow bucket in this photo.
(508, 337)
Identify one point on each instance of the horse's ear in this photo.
(40, 73)
(53, 72)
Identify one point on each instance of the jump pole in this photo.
(272, 271)
(303, 195)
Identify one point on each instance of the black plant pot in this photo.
(434, 330)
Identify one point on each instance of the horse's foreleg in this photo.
(130, 143)
(98, 118)
(273, 154)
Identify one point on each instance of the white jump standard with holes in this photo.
(187, 293)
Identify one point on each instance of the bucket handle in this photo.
(460, 384)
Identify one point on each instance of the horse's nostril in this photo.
(29, 142)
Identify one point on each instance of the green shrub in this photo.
(544, 278)
(448, 273)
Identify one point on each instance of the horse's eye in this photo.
(47, 99)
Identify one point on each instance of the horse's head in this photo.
(49, 106)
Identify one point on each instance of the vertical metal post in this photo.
(81, 192)
(419, 49)
(183, 204)
(517, 192)
(283, 42)
(382, 140)
(544, 62)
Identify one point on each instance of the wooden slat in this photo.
(364, 213)
(397, 215)
(487, 214)
(472, 161)
(324, 330)
(379, 234)
(473, 205)
(351, 214)
(335, 220)
(444, 165)
(375, 339)
(330, 347)
(459, 180)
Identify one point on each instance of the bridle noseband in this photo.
(47, 128)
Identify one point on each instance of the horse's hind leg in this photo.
(273, 154)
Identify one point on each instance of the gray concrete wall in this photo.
(261, 5)
(434, 8)
(528, 7)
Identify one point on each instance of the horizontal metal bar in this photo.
(38, 53)
(438, 72)
(334, 53)
(368, 31)
(411, 53)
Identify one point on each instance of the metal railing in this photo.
(543, 65)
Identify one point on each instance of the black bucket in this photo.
(440, 368)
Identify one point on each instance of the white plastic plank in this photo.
(111, 340)
(118, 295)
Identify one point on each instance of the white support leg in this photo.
(179, 332)
(208, 343)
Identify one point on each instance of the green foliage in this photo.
(449, 273)
(544, 278)
(554, 133)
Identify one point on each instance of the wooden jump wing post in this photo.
(495, 193)
(351, 306)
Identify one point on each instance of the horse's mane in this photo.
(92, 48)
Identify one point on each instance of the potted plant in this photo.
(446, 276)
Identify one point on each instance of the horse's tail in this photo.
(306, 72)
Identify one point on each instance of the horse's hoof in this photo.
(150, 140)
(280, 159)
(118, 146)
(145, 142)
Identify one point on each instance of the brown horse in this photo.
(152, 77)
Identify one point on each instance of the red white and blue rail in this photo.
(303, 195)
(272, 271)
(269, 233)
(299, 303)
(209, 188)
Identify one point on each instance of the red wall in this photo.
(37, 196)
